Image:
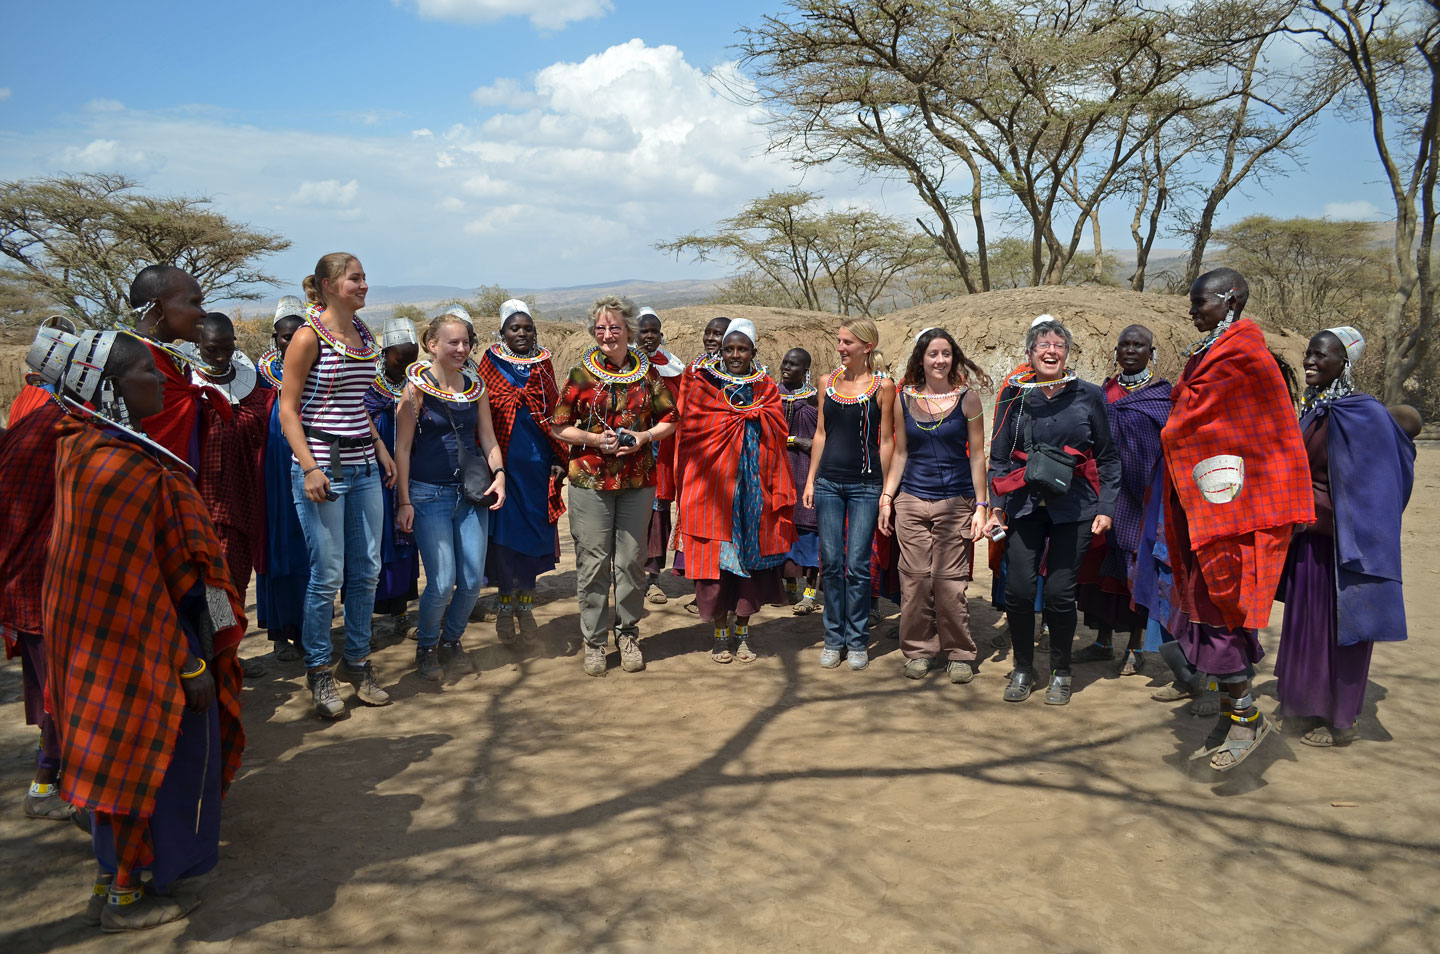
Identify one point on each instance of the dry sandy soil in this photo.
(781, 807)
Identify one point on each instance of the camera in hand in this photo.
(626, 439)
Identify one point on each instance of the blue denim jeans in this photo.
(845, 558)
(451, 534)
(343, 537)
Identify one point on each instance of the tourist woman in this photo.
(338, 462)
(853, 440)
(650, 336)
(444, 415)
(930, 490)
(612, 408)
(1054, 474)
(520, 382)
(1342, 587)
(738, 493)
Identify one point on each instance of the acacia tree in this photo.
(1391, 51)
(812, 259)
(78, 240)
(1310, 271)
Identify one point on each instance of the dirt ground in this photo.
(781, 807)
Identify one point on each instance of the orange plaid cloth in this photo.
(1232, 399)
(130, 539)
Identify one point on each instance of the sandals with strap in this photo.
(1242, 749)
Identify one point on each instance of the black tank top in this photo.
(852, 440)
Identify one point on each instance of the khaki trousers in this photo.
(609, 527)
(935, 559)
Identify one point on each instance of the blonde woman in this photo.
(338, 464)
(848, 464)
(444, 414)
(612, 407)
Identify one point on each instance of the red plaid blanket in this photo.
(539, 396)
(130, 539)
(27, 508)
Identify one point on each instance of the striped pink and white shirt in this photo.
(334, 401)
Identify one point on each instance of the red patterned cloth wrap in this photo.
(665, 450)
(231, 482)
(27, 509)
(31, 396)
(1232, 399)
(174, 425)
(538, 396)
(707, 456)
(131, 538)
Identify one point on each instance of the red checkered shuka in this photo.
(31, 397)
(707, 457)
(27, 509)
(229, 478)
(130, 539)
(538, 397)
(175, 423)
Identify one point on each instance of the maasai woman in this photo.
(650, 337)
(335, 479)
(849, 460)
(37, 392)
(27, 511)
(284, 574)
(229, 478)
(710, 337)
(1341, 587)
(444, 416)
(939, 462)
(524, 541)
(738, 494)
(399, 560)
(798, 396)
(143, 623)
(612, 407)
(1056, 414)
(1137, 402)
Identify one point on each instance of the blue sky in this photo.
(460, 142)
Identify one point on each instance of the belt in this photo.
(337, 441)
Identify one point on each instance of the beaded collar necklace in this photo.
(419, 375)
(368, 349)
(594, 362)
(1133, 382)
(1214, 334)
(271, 366)
(732, 385)
(1334, 391)
(242, 378)
(1027, 382)
(501, 350)
(805, 393)
(839, 398)
(924, 398)
(383, 384)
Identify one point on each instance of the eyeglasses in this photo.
(1051, 346)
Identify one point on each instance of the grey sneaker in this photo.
(630, 658)
(325, 693)
(1059, 692)
(594, 660)
(960, 672)
(829, 659)
(916, 668)
(362, 677)
(427, 663)
(454, 659)
(858, 659)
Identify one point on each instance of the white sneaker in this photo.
(829, 659)
(859, 659)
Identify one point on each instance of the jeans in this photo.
(845, 558)
(1068, 543)
(451, 534)
(609, 528)
(343, 537)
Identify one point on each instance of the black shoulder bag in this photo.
(1049, 469)
(475, 476)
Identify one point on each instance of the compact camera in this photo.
(626, 439)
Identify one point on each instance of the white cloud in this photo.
(327, 192)
(543, 14)
(108, 155)
(105, 106)
(4, 93)
(504, 92)
(421, 134)
(1358, 209)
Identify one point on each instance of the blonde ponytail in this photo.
(867, 332)
(330, 267)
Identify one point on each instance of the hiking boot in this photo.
(1058, 693)
(362, 677)
(916, 668)
(594, 660)
(455, 660)
(427, 663)
(630, 658)
(960, 672)
(325, 693)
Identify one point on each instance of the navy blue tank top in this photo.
(434, 458)
(937, 464)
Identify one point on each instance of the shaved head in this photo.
(153, 282)
(1223, 281)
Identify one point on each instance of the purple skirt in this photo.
(1220, 652)
(1317, 676)
(740, 595)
